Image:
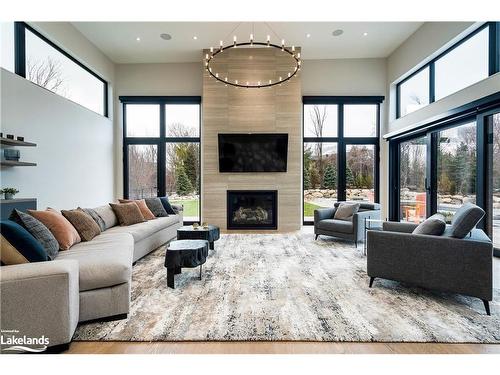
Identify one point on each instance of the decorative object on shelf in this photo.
(210, 58)
(10, 136)
(9, 192)
(204, 225)
(196, 225)
(19, 138)
(1, 135)
(11, 154)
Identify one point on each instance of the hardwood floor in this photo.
(281, 347)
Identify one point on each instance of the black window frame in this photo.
(160, 141)
(20, 61)
(342, 142)
(493, 61)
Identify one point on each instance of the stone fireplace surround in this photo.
(227, 109)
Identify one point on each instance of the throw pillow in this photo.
(127, 213)
(107, 214)
(345, 211)
(154, 204)
(167, 206)
(465, 219)
(145, 211)
(95, 216)
(18, 246)
(65, 234)
(86, 227)
(434, 226)
(41, 233)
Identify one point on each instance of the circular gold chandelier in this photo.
(211, 57)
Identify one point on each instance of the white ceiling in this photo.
(118, 40)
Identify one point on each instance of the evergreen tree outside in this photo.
(349, 177)
(183, 186)
(190, 164)
(330, 178)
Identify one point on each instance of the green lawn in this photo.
(190, 207)
(309, 209)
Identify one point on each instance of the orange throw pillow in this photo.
(65, 234)
(141, 203)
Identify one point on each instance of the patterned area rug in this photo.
(289, 287)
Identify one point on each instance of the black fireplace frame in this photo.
(272, 226)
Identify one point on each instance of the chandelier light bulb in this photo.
(280, 78)
(289, 74)
(293, 48)
(258, 83)
(251, 39)
(247, 83)
(236, 81)
(211, 49)
(298, 55)
(225, 79)
(217, 75)
(234, 41)
(270, 81)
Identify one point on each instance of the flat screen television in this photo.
(264, 152)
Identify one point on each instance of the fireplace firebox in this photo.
(252, 209)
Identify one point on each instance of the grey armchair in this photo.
(325, 224)
(457, 265)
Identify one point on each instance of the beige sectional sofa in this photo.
(89, 281)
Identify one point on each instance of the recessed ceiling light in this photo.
(195, 37)
(138, 39)
(337, 32)
(365, 34)
(308, 35)
(166, 36)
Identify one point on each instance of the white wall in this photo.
(175, 79)
(75, 147)
(344, 77)
(75, 152)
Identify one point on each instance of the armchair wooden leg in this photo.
(371, 281)
(487, 307)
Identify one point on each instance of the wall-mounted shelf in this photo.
(15, 142)
(13, 163)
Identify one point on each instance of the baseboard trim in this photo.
(106, 318)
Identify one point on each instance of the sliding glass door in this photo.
(456, 168)
(412, 180)
(437, 172)
(493, 125)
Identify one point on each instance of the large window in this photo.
(162, 150)
(340, 151)
(465, 63)
(7, 45)
(47, 65)
(414, 92)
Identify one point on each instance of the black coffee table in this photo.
(184, 253)
(211, 234)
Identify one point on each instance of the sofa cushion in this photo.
(141, 203)
(434, 226)
(103, 262)
(86, 227)
(156, 207)
(145, 229)
(127, 213)
(36, 228)
(18, 246)
(166, 204)
(107, 215)
(95, 216)
(346, 210)
(65, 234)
(333, 225)
(465, 219)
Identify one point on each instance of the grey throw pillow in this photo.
(345, 211)
(434, 226)
(95, 216)
(156, 207)
(36, 228)
(107, 215)
(465, 219)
